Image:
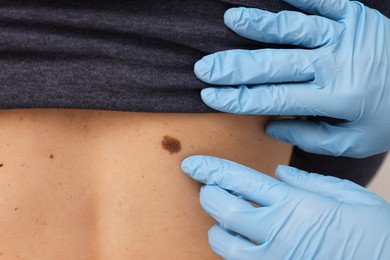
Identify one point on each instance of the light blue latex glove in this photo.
(344, 73)
(305, 215)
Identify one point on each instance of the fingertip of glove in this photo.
(231, 16)
(285, 170)
(207, 95)
(214, 229)
(190, 164)
(200, 167)
(202, 69)
(274, 130)
(216, 238)
(280, 169)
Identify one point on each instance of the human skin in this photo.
(84, 184)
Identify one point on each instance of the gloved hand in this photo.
(305, 215)
(344, 73)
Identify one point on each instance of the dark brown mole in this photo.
(51, 156)
(171, 144)
(1, 165)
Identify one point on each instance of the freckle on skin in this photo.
(171, 144)
(51, 156)
(16, 209)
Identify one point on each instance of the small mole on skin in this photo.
(1, 165)
(16, 209)
(171, 144)
(51, 156)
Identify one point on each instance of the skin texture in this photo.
(82, 184)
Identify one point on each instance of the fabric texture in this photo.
(128, 56)
(114, 55)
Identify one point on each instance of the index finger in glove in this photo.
(235, 67)
(273, 99)
(244, 181)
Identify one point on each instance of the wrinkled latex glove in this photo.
(344, 73)
(304, 215)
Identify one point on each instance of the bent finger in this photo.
(232, 246)
(236, 214)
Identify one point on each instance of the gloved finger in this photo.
(236, 214)
(282, 99)
(329, 186)
(235, 67)
(333, 9)
(243, 181)
(232, 246)
(285, 27)
(315, 137)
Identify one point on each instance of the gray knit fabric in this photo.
(125, 55)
